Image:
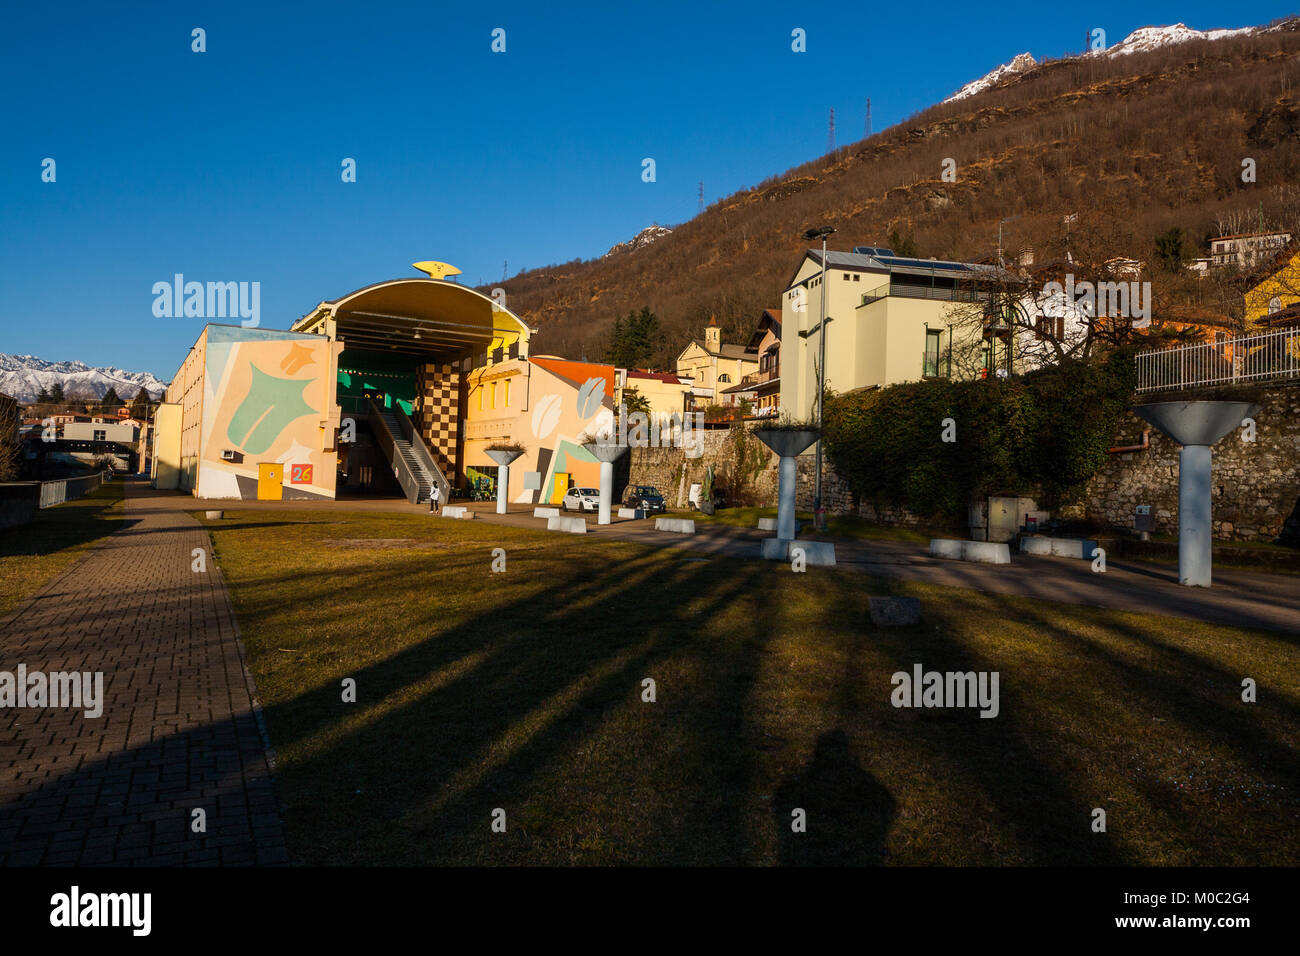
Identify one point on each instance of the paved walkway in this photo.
(178, 730)
(1238, 598)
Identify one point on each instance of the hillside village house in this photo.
(1247, 250)
(890, 319)
(713, 367)
(762, 387)
(666, 394)
(1275, 288)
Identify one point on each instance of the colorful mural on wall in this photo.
(264, 393)
(557, 402)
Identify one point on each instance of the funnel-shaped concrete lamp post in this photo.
(503, 457)
(606, 453)
(789, 444)
(1196, 426)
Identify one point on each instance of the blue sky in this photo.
(225, 165)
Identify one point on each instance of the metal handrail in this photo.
(1249, 358)
(386, 441)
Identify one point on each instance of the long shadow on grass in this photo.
(1188, 690)
(1046, 816)
(512, 695)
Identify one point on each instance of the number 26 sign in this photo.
(300, 474)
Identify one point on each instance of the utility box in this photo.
(1143, 521)
(1006, 516)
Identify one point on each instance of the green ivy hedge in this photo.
(1045, 433)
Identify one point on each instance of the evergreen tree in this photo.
(903, 245)
(634, 339)
(44, 398)
(140, 406)
(111, 399)
(56, 394)
(1171, 250)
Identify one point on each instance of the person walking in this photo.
(435, 499)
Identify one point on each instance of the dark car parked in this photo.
(645, 497)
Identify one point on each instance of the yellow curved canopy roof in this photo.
(417, 316)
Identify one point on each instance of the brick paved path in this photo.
(178, 730)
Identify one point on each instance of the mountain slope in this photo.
(1130, 144)
(1142, 40)
(23, 377)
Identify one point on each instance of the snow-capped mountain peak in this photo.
(1141, 40)
(642, 239)
(23, 377)
(1145, 39)
(1018, 65)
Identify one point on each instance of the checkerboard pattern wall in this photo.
(438, 412)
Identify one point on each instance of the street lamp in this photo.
(812, 234)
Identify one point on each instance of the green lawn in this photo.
(522, 691)
(32, 554)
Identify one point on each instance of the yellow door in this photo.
(561, 486)
(270, 481)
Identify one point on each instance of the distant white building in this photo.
(125, 433)
(1247, 250)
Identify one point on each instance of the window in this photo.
(100, 434)
(507, 395)
(1274, 304)
(724, 377)
(494, 394)
(481, 389)
(846, 277)
(856, 277)
(931, 364)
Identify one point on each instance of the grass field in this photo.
(31, 555)
(523, 691)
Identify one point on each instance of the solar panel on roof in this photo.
(924, 263)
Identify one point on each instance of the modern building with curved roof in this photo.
(365, 392)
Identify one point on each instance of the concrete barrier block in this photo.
(986, 552)
(546, 512)
(1059, 547)
(769, 524)
(1073, 547)
(983, 552)
(457, 511)
(676, 525)
(637, 513)
(946, 548)
(895, 611)
(571, 525)
(1035, 545)
(214, 515)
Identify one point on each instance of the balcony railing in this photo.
(934, 365)
(1249, 358)
(760, 378)
(908, 291)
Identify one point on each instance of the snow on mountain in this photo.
(1141, 40)
(1017, 66)
(23, 377)
(1146, 39)
(642, 239)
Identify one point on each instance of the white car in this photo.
(581, 499)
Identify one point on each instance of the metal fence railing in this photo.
(1249, 358)
(69, 489)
